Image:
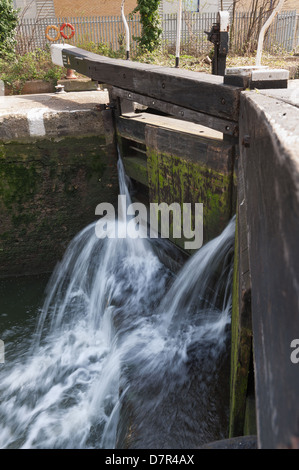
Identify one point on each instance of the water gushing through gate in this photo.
(125, 353)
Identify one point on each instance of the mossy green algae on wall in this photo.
(48, 192)
(192, 170)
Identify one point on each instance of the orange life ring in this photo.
(52, 26)
(65, 25)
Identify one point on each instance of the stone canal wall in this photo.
(57, 162)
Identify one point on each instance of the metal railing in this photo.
(106, 30)
(282, 36)
(109, 30)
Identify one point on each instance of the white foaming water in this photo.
(125, 353)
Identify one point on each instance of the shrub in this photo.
(150, 21)
(35, 65)
(8, 24)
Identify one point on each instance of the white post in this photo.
(178, 34)
(126, 28)
(263, 31)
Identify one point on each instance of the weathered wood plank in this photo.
(136, 168)
(194, 90)
(132, 126)
(269, 159)
(183, 169)
(241, 327)
(250, 417)
(221, 125)
(215, 155)
(289, 96)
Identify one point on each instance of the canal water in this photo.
(116, 350)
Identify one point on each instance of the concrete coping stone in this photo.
(51, 115)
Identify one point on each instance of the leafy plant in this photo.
(150, 21)
(35, 65)
(8, 24)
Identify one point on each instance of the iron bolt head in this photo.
(246, 141)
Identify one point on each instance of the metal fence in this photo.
(244, 30)
(282, 36)
(193, 27)
(109, 30)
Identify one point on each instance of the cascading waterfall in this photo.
(125, 353)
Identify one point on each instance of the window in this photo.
(192, 5)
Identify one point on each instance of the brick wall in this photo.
(69, 8)
(244, 5)
(291, 5)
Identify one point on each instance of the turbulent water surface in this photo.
(125, 353)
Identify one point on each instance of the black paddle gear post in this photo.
(219, 37)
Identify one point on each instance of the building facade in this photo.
(71, 8)
(212, 6)
(92, 8)
(289, 5)
(201, 6)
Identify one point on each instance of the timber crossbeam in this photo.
(194, 91)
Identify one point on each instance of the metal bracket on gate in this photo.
(219, 37)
